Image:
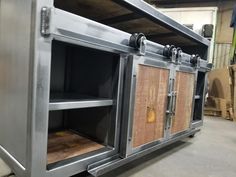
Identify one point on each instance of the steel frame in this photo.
(130, 87)
(115, 162)
(150, 12)
(74, 29)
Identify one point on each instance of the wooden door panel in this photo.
(150, 104)
(184, 87)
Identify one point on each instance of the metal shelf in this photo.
(64, 104)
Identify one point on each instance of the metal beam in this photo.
(100, 170)
(154, 15)
(67, 104)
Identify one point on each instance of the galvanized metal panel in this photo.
(14, 79)
(221, 57)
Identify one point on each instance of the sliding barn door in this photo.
(184, 88)
(150, 105)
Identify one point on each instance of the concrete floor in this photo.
(212, 153)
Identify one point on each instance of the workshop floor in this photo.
(211, 153)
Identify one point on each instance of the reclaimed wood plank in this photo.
(150, 104)
(92, 9)
(184, 87)
(66, 144)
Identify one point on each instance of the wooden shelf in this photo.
(66, 144)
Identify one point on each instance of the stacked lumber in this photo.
(220, 100)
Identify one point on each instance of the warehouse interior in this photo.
(116, 87)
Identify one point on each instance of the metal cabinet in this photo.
(160, 98)
(84, 105)
(82, 92)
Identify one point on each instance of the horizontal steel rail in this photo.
(63, 105)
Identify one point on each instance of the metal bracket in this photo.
(170, 52)
(170, 97)
(138, 41)
(209, 65)
(45, 21)
(171, 103)
(174, 95)
(179, 56)
(195, 60)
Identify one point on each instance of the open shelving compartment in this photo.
(199, 97)
(83, 102)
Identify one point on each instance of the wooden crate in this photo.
(150, 104)
(184, 86)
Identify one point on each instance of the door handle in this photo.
(169, 104)
(174, 96)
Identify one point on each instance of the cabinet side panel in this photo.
(150, 105)
(15, 17)
(184, 87)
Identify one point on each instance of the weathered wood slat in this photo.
(150, 104)
(92, 9)
(184, 86)
(65, 144)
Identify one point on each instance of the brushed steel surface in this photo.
(25, 63)
(78, 104)
(15, 27)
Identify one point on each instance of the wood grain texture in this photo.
(103, 10)
(184, 86)
(150, 104)
(92, 9)
(65, 144)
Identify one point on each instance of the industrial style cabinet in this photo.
(84, 102)
(161, 101)
(81, 90)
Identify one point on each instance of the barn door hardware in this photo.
(171, 103)
(195, 60)
(171, 97)
(173, 54)
(138, 41)
(174, 95)
(45, 21)
(179, 55)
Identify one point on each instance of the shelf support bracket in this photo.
(45, 21)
